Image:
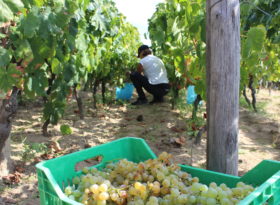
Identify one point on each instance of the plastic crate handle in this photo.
(89, 154)
(90, 162)
(109, 152)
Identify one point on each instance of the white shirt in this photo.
(154, 70)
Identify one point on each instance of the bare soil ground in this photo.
(259, 136)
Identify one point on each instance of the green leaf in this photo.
(39, 3)
(8, 8)
(37, 82)
(5, 57)
(194, 28)
(98, 20)
(81, 42)
(85, 60)
(73, 27)
(42, 49)
(23, 49)
(246, 48)
(71, 42)
(65, 130)
(276, 40)
(31, 23)
(203, 30)
(7, 77)
(58, 4)
(71, 6)
(48, 25)
(196, 7)
(56, 66)
(175, 27)
(69, 73)
(256, 37)
(14, 5)
(28, 84)
(2, 35)
(159, 37)
(179, 63)
(54, 110)
(6, 13)
(253, 60)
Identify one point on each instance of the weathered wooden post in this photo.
(7, 110)
(223, 79)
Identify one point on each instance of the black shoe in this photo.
(140, 102)
(156, 100)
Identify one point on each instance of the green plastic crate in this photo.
(57, 173)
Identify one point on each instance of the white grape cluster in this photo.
(153, 182)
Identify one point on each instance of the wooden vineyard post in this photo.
(223, 79)
(7, 110)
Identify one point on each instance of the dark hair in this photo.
(142, 48)
(147, 52)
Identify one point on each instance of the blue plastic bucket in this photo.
(125, 93)
(191, 95)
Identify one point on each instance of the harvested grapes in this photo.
(153, 182)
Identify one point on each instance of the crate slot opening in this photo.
(88, 163)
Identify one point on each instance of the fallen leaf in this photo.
(99, 158)
(181, 141)
(178, 130)
(96, 159)
(87, 146)
(8, 200)
(47, 156)
(19, 169)
(55, 146)
(101, 116)
(77, 111)
(13, 178)
(176, 141)
(37, 159)
(194, 128)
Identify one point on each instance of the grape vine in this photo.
(51, 49)
(177, 30)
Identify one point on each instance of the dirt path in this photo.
(158, 126)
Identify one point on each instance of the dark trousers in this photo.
(139, 81)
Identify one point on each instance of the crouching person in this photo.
(151, 75)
